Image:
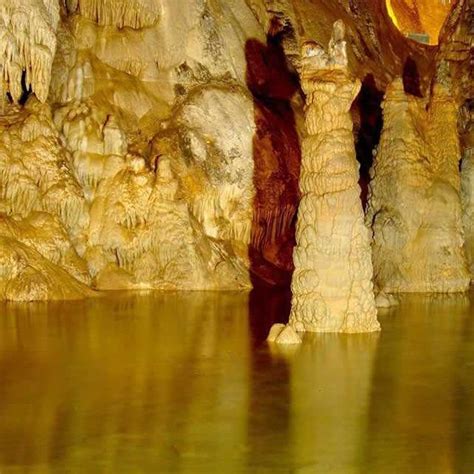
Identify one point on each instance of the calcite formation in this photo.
(332, 287)
(467, 184)
(161, 222)
(414, 206)
(27, 45)
(375, 45)
(455, 53)
(146, 144)
(135, 14)
(283, 334)
(455, 50)
(42, 211)
(155, 144)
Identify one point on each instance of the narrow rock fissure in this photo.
(368, 123)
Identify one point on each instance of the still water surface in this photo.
(157, 383)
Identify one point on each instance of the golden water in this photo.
(156, 383)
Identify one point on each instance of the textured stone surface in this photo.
(43, 213)
(283, 334)
(455, 54)
(288, 336)
(156, 143)
(332, 287)
(415, 208)
(157, 129)
(25, 275)
(374, 44)
(275, 331)
(455, 49)
(27, 45)
(467, 184)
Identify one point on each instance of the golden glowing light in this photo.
(421, 20)
(392, 15)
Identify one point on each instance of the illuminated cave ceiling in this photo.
(419, 17)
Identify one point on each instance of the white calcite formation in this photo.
(144, 179)
(120, 13)
(27, 45)
(455, 52)
(283, 334)
(25, 275)
(176, 218)
(42, 211)
(154, 144)
(467, 185)
(332, 287)
(415, 208)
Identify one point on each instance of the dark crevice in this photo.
(25, 94)
(368, 123)
(411, 78)
(26, 90)
(277, 156)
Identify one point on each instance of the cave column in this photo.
(332, 283)
(414, 204)
(467, 185)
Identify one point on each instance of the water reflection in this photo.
(422, 410)
(183, 383)
(330, 381)
(158, 382)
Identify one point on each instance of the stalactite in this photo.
(41, 210)
(120, 13)
(139, 84)
(28, 32)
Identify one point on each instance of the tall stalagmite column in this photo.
(447, 153)
(332, 286)
(467, 185)
(414, 205)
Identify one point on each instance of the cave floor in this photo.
(142, 383)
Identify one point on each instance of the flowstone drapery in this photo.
(332, 287)
(27, 45)
(155, 144)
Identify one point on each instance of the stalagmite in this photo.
(415, 208)
(332, 288)
(160, 149)
(467, 186)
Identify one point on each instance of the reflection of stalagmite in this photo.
(415, 207)
(424, 401)
(332, 288)
(184, 379)
(331, 379)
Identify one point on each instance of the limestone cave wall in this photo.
(156, 144)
